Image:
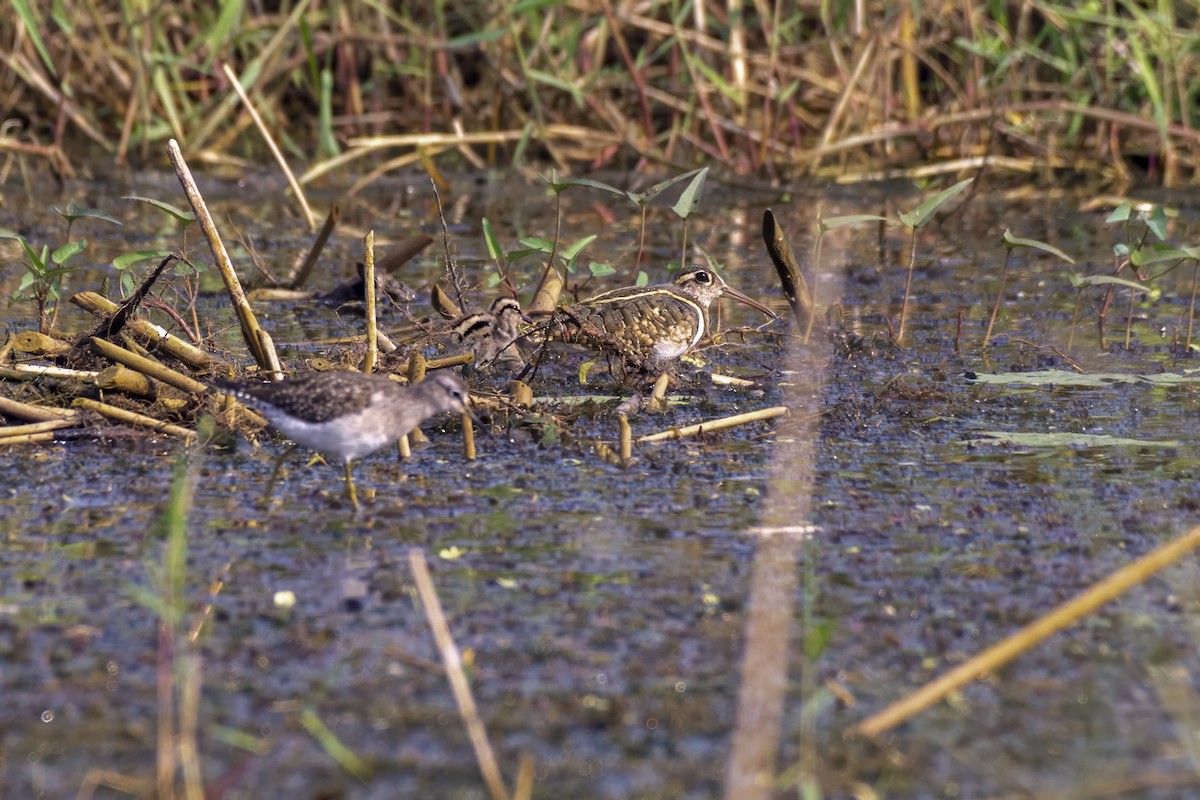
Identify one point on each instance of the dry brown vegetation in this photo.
(771, 90)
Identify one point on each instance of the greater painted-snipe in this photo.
(347, 414)
(651, 326)
(489, 336)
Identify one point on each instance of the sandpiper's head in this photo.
(445, 391)
(704, 285)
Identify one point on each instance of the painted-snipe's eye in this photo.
(703, 277)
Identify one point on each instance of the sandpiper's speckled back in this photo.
(349, 414)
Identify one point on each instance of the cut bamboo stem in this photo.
(147, 366)
(39, 344)
(716, 424)
(45, 371)
(120, 378)
(449, 361)
(28, 438)
(626, 437)
(267, 345)
(149, 334)
(369, 293)
(15, 409)
(237, 295)
(1066, 614)
(38, 427)
(452, 661)
(468, 428)
(274, 148)
(133, 418)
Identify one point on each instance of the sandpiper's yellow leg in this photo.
(351, 495)
(266, 498)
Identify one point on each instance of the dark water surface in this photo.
(603, 611)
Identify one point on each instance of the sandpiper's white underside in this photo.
(348, 437)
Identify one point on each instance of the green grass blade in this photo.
(920, 215)
(1012, 242)
(689, 200)
(73, 211)
(853, 219)
(183, 216)
(30, 21)
(333, 745)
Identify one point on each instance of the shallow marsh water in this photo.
(604, 610)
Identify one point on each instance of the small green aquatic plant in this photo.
(45, 270)
(1140, 222)
(915, 220)
(1011, 243)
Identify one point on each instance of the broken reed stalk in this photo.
(369, 293)
(405, 447)
(148, 334)
(237, 296)
(39, 344)
(267, 345)
(795, 288)
(626, 437)
(31, 413)
(302, 273)
(1000, 654)
(521, 393)
(274, 148)
(120, 378)
(416, 374)
(716, 424)
(28, 438)
(133, 418)
(468, 428)
(449, 361)
(147, 366)
(452, 661)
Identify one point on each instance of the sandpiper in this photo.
(653, 325)
(490, 336)
(347, 414)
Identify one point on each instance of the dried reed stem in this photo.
(237, 295)
(148, 334)
(369, 293)
(716, 424)
(274, 148)
(1065, 614)
(147, 366)
(452, 661)
(468, 429)
(134, 418)
(18, 410)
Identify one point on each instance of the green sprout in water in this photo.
(46, 270)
